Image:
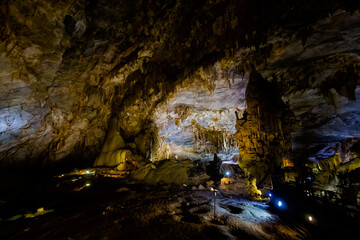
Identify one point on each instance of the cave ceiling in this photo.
(172, 74)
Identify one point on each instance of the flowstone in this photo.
(114, 154)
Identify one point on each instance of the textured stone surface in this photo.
(326, 101)
(263, 133)
(199, 119)
(68, 67)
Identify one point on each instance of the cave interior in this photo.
(179, 119)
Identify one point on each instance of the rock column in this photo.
(263, 133)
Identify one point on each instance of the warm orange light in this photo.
(287, 163)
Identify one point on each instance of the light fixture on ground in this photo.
(280, 204)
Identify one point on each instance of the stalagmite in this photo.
(259, 155)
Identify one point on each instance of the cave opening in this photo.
(179, 119)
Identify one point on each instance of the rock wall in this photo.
(68, 67)
(198, 119)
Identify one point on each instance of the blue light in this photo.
(280, 203)
(270, 195)
(227, 173)
(309, 178)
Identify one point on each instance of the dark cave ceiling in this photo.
(168, 76)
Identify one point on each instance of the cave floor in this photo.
(105, 208)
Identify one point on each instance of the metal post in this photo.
(214, 204)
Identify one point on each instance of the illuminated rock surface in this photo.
(264, 130)
(67, 67)
(199, 121)
(156, 94)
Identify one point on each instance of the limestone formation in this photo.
(202, 99)
(264, 131)
(326, 171)
(173, 74)
(198, 121)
